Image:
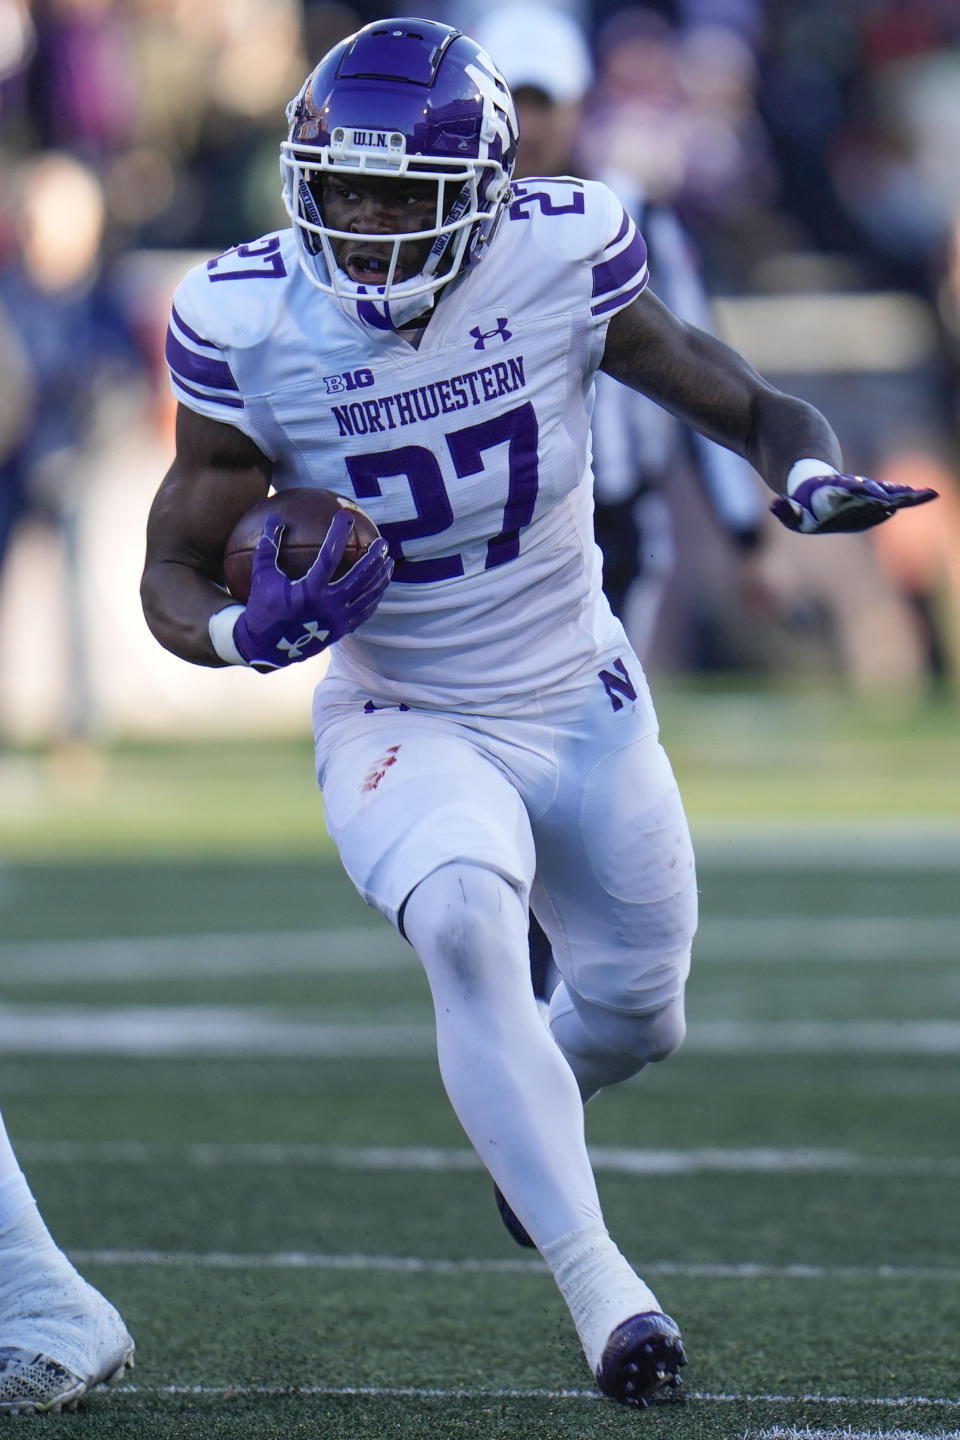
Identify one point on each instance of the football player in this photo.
(58, 1336)
(423, 339)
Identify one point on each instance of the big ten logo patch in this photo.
(350, 380)
(379, 768)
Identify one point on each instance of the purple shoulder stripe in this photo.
(613, 274)
(234, 402)
(621, 299)
(624, 227)
(201, 369)
(181, 324)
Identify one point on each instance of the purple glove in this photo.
(832, 502)
(287, 620)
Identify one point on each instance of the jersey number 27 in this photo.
(421, 469)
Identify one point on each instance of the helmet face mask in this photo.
(414, 103)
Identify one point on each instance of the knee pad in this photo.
(646, 1038)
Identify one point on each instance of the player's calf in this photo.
(604, 1047)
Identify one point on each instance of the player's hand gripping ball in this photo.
(307, 515)
(310, 568)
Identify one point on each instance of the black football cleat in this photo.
(511, 1222)
(641, 1361)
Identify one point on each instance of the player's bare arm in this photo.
(218, 474)
(711, 387)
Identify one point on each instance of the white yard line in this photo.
(415, 1392)
(417, 1265)
(247, 1032)
(791, 1432)
(212, 1154)
(201, 1030)
(861, 845)
(752, 938)
(206, 956)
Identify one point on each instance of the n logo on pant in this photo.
(619, 687)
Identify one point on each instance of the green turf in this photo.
(209, 842)
(800, 757)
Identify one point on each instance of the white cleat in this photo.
(57, 1341)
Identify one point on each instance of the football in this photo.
(306, 515)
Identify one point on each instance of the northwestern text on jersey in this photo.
(425, 402)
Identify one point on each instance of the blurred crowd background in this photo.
(810, 152)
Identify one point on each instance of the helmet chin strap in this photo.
(391, 314)
(362, 303)
(400, 309)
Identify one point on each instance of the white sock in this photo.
(599, 1286)
(15, 1197)
(47, 1308)
(514, 1094)
(26, 1245)
(9, 1164)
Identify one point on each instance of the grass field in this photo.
(217, 1067)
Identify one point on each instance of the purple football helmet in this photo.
(401, 98)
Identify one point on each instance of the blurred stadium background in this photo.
(811, 151)
(181, 963)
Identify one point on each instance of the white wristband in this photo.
(220, 626)
(806, 470)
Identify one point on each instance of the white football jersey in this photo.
(471, 452)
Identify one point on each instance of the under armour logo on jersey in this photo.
(618, 687)
(480, 337)
(311, 632)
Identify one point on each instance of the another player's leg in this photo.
(519, 1104)
(58, 1335)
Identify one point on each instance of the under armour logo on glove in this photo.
(480, 337)
(320, 609)
(832, 503)
(311, 632)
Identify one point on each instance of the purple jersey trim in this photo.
(618, 302)
(625, 226)
(613, 274)
(199, 395)
(181, 324)
(199, 368)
